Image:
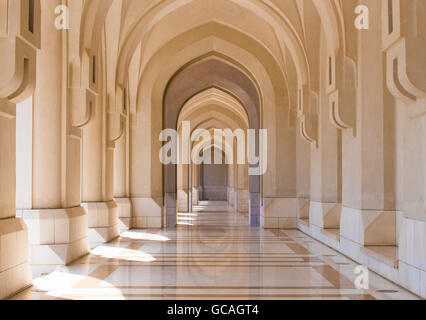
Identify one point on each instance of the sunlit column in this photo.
(97, 166)
(57, 223)
(121, 194)
(368, 215)
(15, 273)
(326, 176)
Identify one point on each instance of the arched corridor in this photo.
(166, 149)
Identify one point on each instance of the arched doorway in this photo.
(208, 73)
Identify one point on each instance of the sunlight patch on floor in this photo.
(143, 236)
(122, 254)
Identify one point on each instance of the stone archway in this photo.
(195, 78)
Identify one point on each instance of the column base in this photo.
(303, 208)
(124, 214)
(280, 213)
(15, 271)
(255, 221)
(231, 194)
(325, 215)
(147, 213)
(56, 236)
(182, 201)
(195, 196)
(369, 227)
(170, 217)
(242, 200)
(103, 222)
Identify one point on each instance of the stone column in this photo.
(231, 185)
(326, 176)
(182, 182)
(57, 223)
(279, 210)
(121, 174)
(98, 158)
(182, 187)
(15, 273)
(404, 44)
(190, 183)
(303, 169)
(195, 186)
(145, 172)
(242, 193)
(201, 181)
(235, 185)
(368, 214)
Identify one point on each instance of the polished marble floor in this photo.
(211, 256)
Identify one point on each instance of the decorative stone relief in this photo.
(342, 102)
(308, 117)
(405, 46)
